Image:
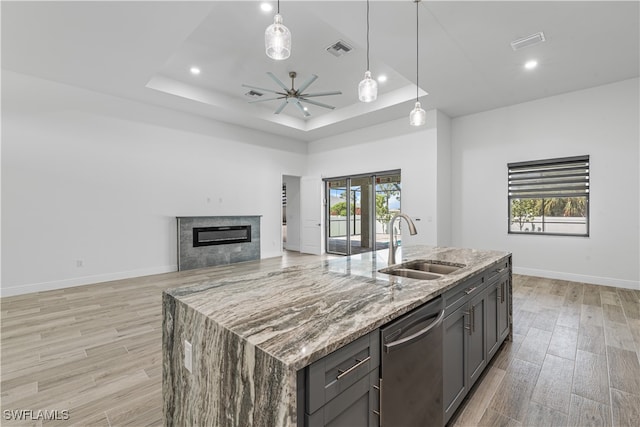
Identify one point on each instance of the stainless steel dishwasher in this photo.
(411, 371)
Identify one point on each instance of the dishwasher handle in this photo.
(414, 337)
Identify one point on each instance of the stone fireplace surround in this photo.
(190, 257)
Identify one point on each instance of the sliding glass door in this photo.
(357, 210)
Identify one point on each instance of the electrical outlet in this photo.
(79, 263)
(188, 356)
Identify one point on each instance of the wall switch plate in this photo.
(188, 356)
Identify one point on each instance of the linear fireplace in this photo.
(217, 240)
(207, 236)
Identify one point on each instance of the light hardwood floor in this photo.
(96, 351)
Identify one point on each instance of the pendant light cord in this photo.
(278, 7)
(417, 51)
(367, 35)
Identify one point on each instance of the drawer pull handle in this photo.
(473, 318)
(342, 373)
(468, 291)
(468, 326)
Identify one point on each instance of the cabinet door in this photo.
(503, 304)
(493, 332)
(454, 374)
(356, 406)
(477, 354)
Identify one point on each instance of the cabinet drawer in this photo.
(358, 405)
(499, 269)
(457, 296)
(334, 373)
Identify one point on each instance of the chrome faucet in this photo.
(394, 246)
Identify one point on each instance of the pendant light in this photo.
(277, 38)
(368, 88)
(418, 116)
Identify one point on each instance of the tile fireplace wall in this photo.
(190, 256)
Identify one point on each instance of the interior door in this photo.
(311, 214)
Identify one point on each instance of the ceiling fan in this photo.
(294, 96)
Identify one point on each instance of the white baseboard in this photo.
(595, 280)
(85, 280)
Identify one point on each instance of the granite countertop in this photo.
(302, 313)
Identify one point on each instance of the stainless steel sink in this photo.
(413, 274)
(421, 269)
(429, 266)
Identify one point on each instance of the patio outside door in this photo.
(356, 214)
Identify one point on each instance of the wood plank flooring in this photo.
(96, 351)
(574, 360)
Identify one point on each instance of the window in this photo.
(549, 196)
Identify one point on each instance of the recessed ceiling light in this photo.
(195, 70)
(266, 7)
(382, 78)
(305, 109)
(530, 65)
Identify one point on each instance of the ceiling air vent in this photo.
(253, 94)
(339, 48)
(531, 40)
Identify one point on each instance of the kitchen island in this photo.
(253, 335)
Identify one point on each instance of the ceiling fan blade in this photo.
(307, 83)
(263, 89)
(281, 107)
(278, 82)
(266, 99)
(305, 112)
(319, 104)
(308, 95)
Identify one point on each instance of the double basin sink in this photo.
(421, 269)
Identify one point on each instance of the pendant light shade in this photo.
(277, 38)
(418, 116)
(368, 87)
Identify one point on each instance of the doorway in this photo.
(358, 209)
(290, 213)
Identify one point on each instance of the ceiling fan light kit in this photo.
(293, 95)
(277, 38)
(368, 88)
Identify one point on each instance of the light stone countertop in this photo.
(302, 313)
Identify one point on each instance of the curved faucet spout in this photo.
(393, 246)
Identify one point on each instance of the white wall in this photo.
(444, 179)
(602, 122)
(99, 179)
(389, 146)
(293, 212)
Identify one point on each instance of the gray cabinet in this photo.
(476, 334)
(498, 300)
(464, 341)
(454, 373)
(476, 323)
(342, 388)
(355, 406)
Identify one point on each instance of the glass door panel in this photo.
(388, 190)
(337, 216)
(361, 215)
